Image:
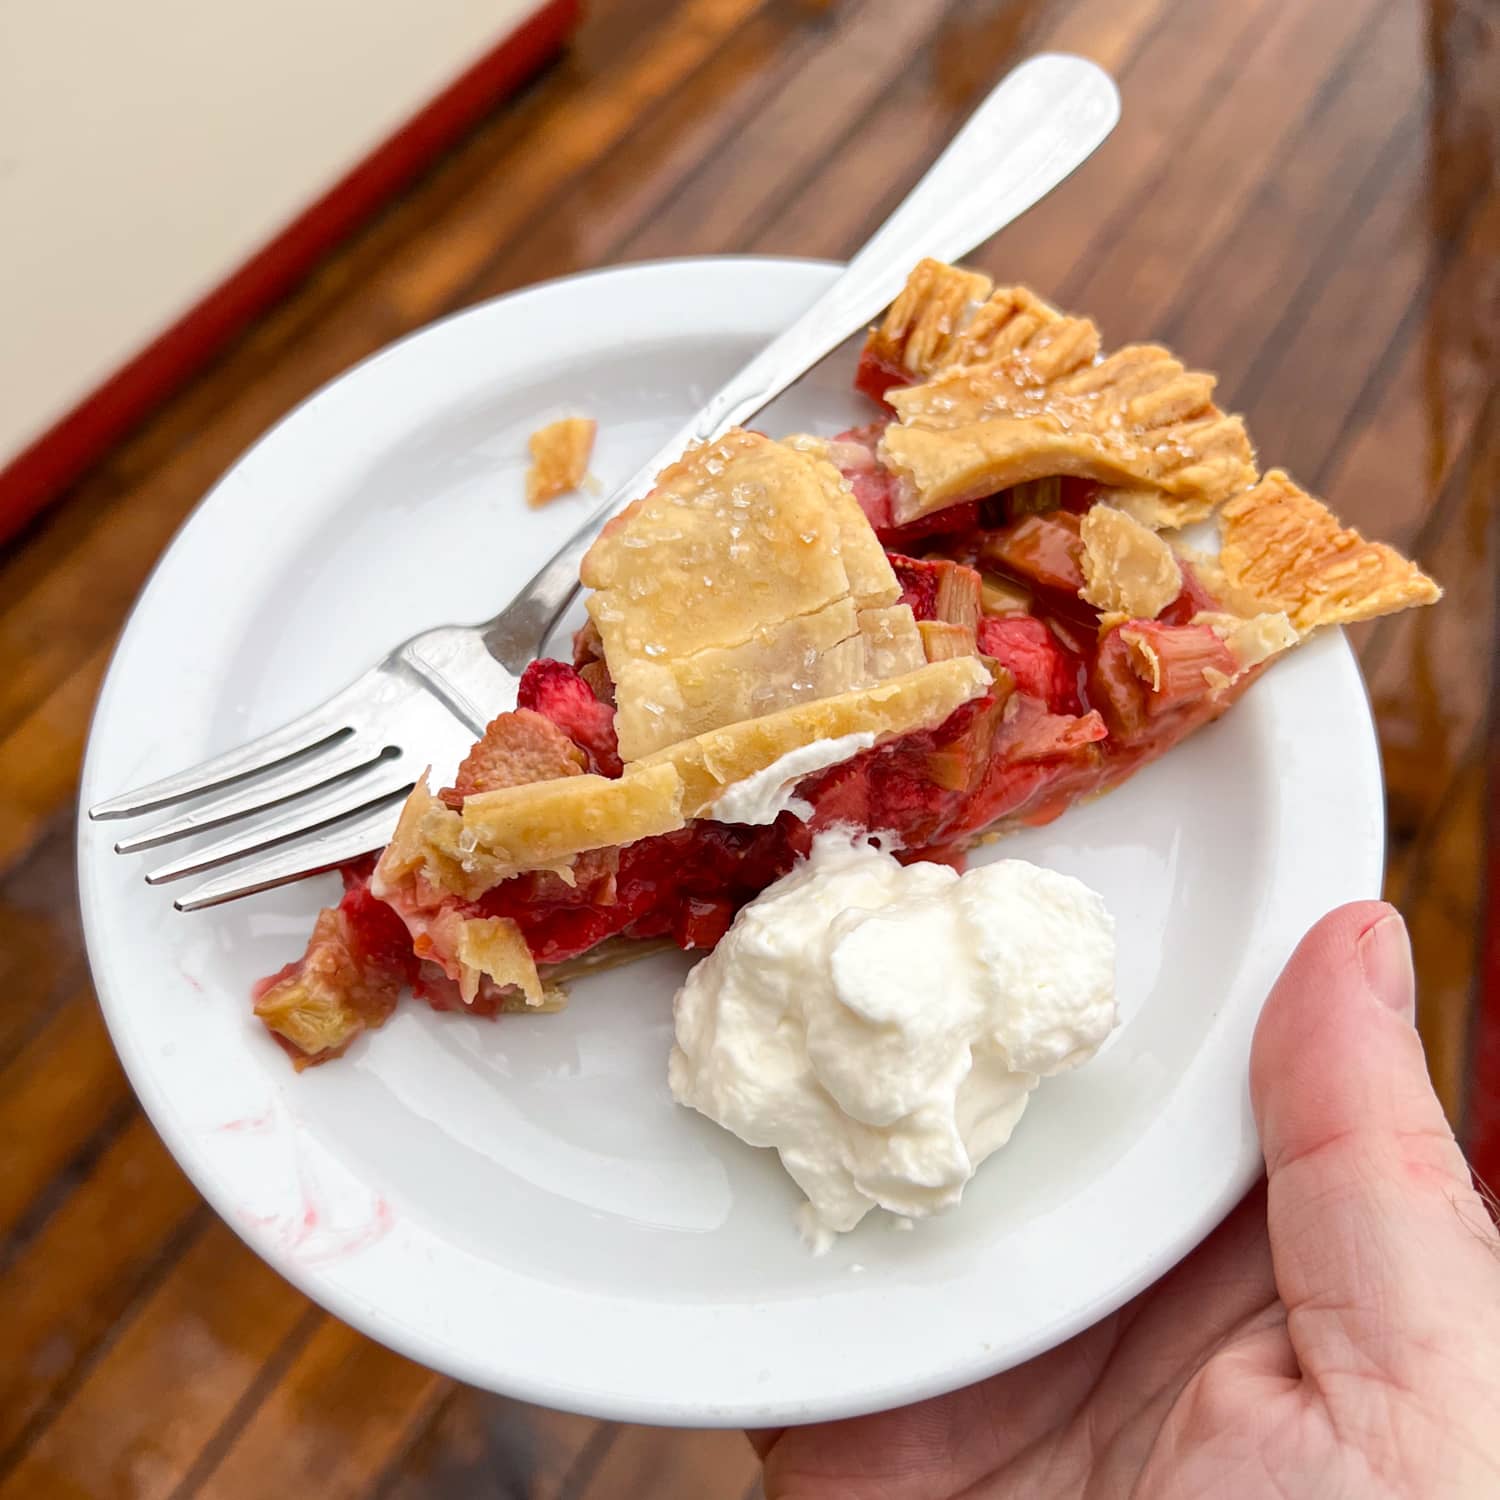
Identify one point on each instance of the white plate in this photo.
(519, 1203)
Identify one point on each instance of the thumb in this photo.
(1378, 1239)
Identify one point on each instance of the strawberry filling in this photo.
(558, 692)
(1073, 711)
(875, 376)
(1064, 721)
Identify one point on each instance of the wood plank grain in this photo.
(784, 144)
(331, 1426)
(1432, 717)
(1465, 116)
(583, 126)
(40, 758)
(1419, 419)
(1421, 666)
(41, 942)
(175, 1373)
(1194, 202)
(1439, 894)
(1310, 377)
(485, 1447)
(57, 1093)
(1289, 238)
(682, 1465)
(64, 1290)
(588, 221)
(869, 172)
(598, 217)
(1165, 86)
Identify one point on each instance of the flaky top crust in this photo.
(745, 607)
(1135, 419)
(548, 824)
(1287, 551)
(1005, 389)
(748, 580)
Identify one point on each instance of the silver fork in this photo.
(327, 787)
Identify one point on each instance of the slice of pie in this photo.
(959, 618)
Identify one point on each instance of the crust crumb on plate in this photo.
(560, 454)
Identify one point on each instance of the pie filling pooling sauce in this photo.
(959, 618)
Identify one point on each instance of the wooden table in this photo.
(1302, 196)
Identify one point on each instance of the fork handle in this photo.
(1038, 124)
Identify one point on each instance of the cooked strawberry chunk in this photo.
(557, 690)
(1078, 494)
(874, 487)
(517, 747)
(953, 520)
(875, 377)
(1194, 599)
(1030, 652)
(701, 921)
(919, 584)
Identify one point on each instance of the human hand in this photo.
(1338, 1335)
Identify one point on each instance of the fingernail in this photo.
(1385, 958)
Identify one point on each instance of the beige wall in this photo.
(149, 147)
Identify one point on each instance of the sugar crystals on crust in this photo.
(1136, 419)
(766, 586)
(1005, 389)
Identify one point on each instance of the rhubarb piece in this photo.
(347, 982)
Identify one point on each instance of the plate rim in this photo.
(514, 1381)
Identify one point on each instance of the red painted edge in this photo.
(66, 449)
(1482, 1112)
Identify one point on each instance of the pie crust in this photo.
(766, 587)
(1127, 568)
(494, 948)
(923, 325)
(545, 825)
(1289, 553)
(970, 356)
(560, 454)
(1135, 419)
(989, 665)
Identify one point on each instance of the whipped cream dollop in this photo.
(762, 796)
(882, 1026)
